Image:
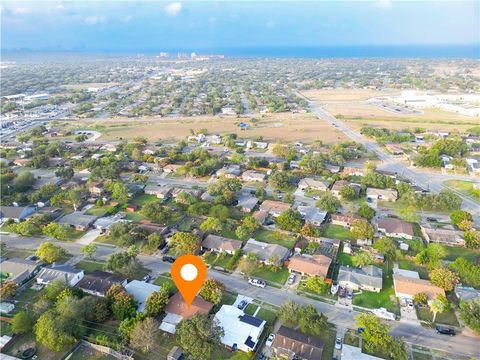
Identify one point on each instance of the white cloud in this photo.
(173, 9)
(21, 10)
(270, 24)
(384, 4)
(94, 20)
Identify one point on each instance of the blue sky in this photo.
(154, 25)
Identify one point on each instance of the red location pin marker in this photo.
(189, 273)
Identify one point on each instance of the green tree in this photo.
(457, 216)
(57, 231)
(289, 313)
(472, 239)
(437, 306)
(212, 290)
(211, 225)
(470, 314)
(185, 243)
(156, 212)
(316, 284)
(444, 278)
(66, 173)
(25, 228)
(386, 246)
(248, 264)
(311, 321)
(49, 252)
(375, 333)
(431, 255)
(22, 322)
(328, 202)
(24, 181)
(362, 229)
(420, 298)
(308, 230)
(123, 263)
(220, 212)
(8, 290)
(157, 301)
(89, 250)
(363, 258)
(290, 220)
(123, 305)
(469, 272)
(55, 332)
(199, 336)
(347, 192)
(366, 211)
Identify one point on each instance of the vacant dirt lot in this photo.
(285, 127)
(345, 94)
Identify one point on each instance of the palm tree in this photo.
(437, 306)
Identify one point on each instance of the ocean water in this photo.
(386, 52)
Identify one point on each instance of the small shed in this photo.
(175, 354)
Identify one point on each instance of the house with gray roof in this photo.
(366, 278)
(20, 270)
(265, 251)
(246, 201)
(98, 282)
(312, 215)
(221, 244)
(16, 213)
(66, 273)
(78, 220)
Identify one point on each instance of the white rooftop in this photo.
(140, 291)
(240, 329)
(354, 353)
(406, 273)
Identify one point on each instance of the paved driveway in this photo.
(88, 237)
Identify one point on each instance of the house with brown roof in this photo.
(221, 244)
(407, 287)
(98, 282)
(178, 310)
(345, 220)
(316, 265)
(339, 184)
(351, 171)
(394, 227)
(260, 216)
(292, 344)
(274, 208)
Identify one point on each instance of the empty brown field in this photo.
(345, 94)
(85, 86)
(284, 127)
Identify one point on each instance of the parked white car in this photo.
(257, 282)
(270, 339)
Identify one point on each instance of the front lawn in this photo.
(250, 309)
(265, 272)
(268, 315)
(274, 237)
(333, 231)
(217, 259)
(328, 338)
(5, 328)
(445, 318)
(385, 298)
(143, 199)
(98, 211)
(166, 279)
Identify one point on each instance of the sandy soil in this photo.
(345, 94)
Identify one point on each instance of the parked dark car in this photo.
(342, 293)
(165, 250)
(242, 304)
(445, 330)
(169, 259)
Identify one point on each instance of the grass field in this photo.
(90, 266)
(406, 264)
(272, 237)
(333, 231)
(28, 341)
(166, 279)
(454, 252)
(344, 259)
(266, 273)
(281, 127)
(446, 318)
(215, 259)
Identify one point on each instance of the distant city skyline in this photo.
(192, 25)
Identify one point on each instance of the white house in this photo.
(241, 331)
